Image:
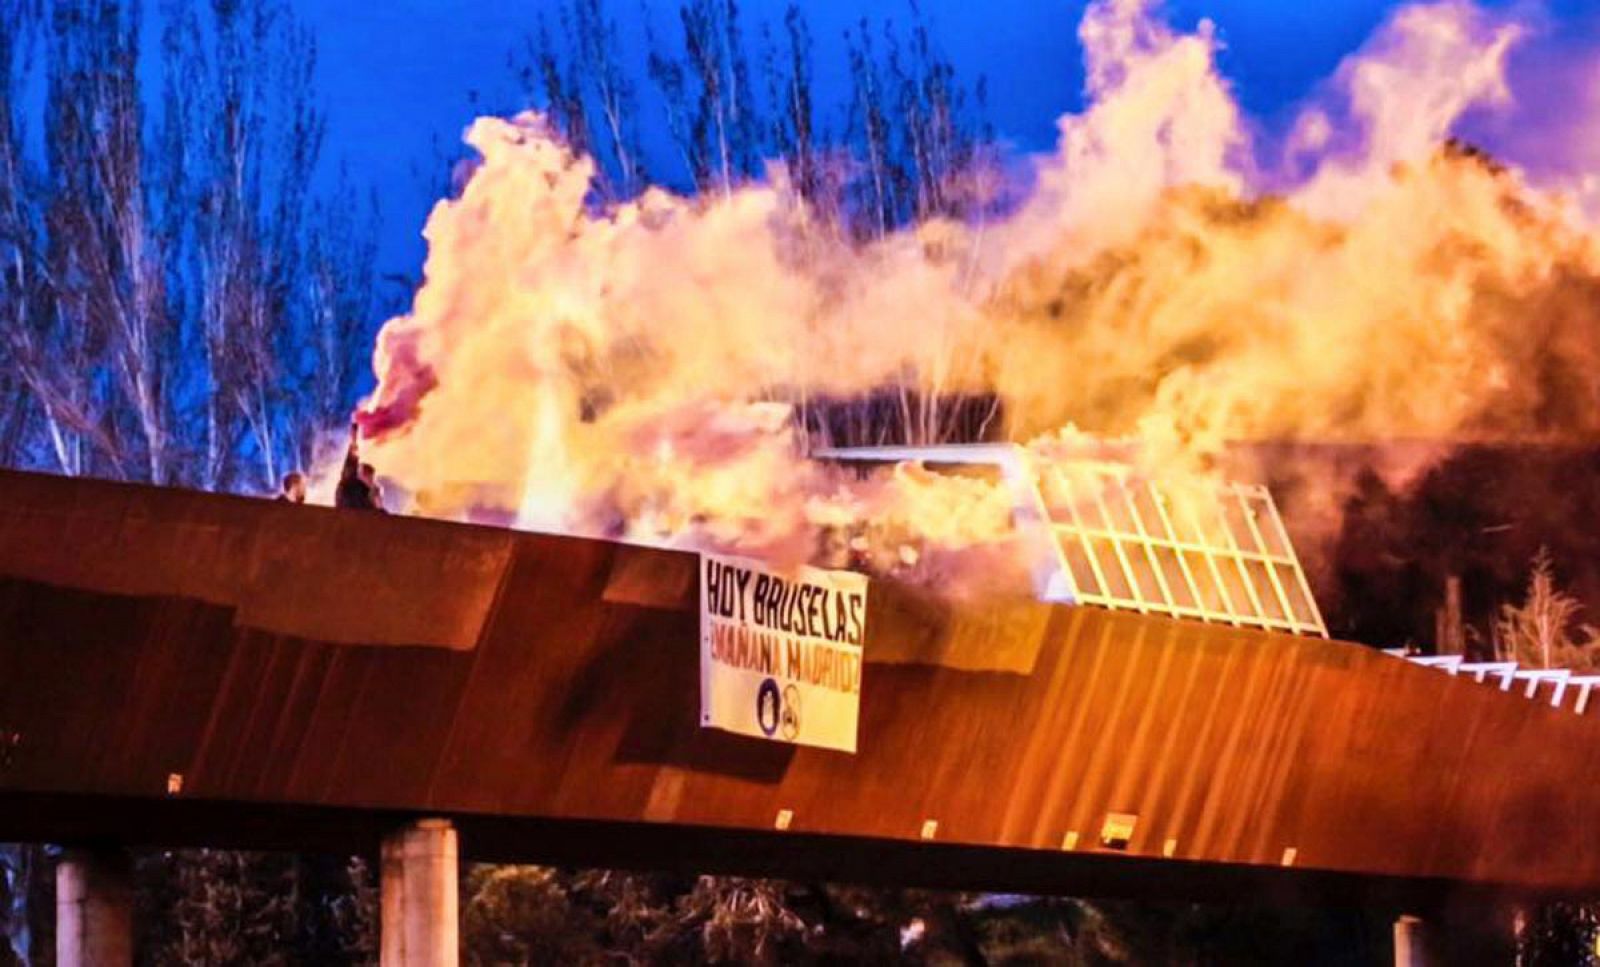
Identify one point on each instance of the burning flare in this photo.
(636, 372)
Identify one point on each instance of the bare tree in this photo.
(937, 145)
(1538, 632)
(159, 292)
(793, 94)
(589, 94)
(341, 266)
(103, 257)
(29, 382)
(909, 120)
(613, 90)
(870, 119)
(712, 110)
(671, 82)
(906, 146)
(246, 137)
(544, 73)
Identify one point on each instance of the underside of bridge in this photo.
(182, 669)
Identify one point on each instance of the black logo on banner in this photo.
(791, 713)
(767, 707)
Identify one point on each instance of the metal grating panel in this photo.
(1214, 553)
(1105, 536)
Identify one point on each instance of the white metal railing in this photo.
(1558, 687)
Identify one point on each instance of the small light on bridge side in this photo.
(929, 828)
(1070, 841)
(785, 817)
(1169, 847)
(1117, 830)
(174, 783)
(1289, 854)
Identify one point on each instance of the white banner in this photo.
(780, 652)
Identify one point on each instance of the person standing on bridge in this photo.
(293, 488)
(358, 482)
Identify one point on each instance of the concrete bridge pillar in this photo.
(1409, 937)
(1464, 930)
(94, 909)
(420, 919)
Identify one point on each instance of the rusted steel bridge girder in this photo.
(183, 668)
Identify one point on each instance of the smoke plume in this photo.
(1173, 280)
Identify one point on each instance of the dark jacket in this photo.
(352, 491)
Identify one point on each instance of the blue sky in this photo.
(401, 76)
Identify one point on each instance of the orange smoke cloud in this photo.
(634, 372)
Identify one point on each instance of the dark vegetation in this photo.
(1479, 513)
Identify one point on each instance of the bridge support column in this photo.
(1409, 936)
(420, 903)
(94, 909)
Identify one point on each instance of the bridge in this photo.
(182, 669)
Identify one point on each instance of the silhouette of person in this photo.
(358, 482)
(293, 488)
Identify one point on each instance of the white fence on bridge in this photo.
(1557, 687)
